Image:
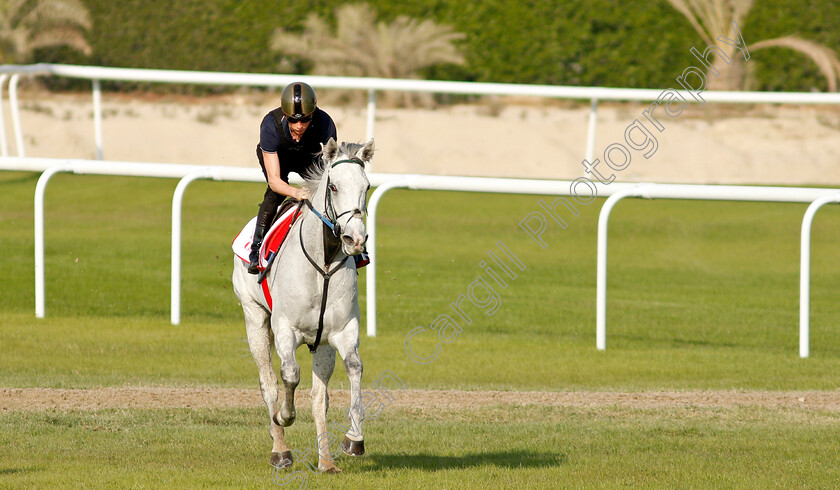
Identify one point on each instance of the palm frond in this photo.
(51, 12)
(712, 18)
(59, 37)
(361, 46)
(824, 57)
(26, 25)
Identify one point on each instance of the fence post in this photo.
(13, 100)
(371, 113)
(40, 188)
(370, 284)
(601, 280)
(97, 118)
(177, 204)
(4, 144)
(805, 273)
(590, 139)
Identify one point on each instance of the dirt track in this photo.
(100, 398)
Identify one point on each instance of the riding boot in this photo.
(267, 210)
(254, 265)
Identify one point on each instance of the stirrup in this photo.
(254, 266)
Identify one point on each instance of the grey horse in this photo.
(314, 290)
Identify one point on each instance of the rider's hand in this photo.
(302, 194)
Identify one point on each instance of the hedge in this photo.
(577, 42)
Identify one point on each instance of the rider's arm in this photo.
(272, 169)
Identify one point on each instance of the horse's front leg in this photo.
(284, 341)
(323, 363)
(257, 326)
(347, 344)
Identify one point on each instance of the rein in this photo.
(335, 228)
(326, 273)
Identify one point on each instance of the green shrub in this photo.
(579, 42)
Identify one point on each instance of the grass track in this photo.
(541, 447)
(702, 295)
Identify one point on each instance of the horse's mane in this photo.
(312, 176)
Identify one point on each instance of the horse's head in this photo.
(344, 185)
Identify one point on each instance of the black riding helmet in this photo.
(298, 101)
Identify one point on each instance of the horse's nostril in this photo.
(348, 240)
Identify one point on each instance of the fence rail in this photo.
(816, 197)
(385, 182)
(186, 173)
(594, 94)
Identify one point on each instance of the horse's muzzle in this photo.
(354, 243)
(354, 236)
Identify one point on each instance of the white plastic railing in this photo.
(4, 145)
(96, 74)
(385, 182)
(817, 197)
(805, 273)
(187, 174)
(372, 85)
(465, 184)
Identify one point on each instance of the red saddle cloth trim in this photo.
(271, 244)
(276, 235)
(267, 294)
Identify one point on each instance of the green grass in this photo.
(702, 295)
(529, 446)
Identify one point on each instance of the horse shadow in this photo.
(435, 462)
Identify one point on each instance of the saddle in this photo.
(287, 213)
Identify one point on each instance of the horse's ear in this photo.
(366, 152)
(330, 150)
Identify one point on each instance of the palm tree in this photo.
(26, 25)
(362, 47)
(711, 18)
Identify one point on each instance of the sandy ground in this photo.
(102, 398)
(731, 144)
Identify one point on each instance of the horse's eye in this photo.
(333, 188)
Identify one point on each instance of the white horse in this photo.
(315, 300)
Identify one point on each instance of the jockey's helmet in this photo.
(298, 101)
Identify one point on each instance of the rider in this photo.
(290, 138)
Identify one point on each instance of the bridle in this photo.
(329, 217)
(330, 220)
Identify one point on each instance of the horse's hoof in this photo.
(281, 460)
(353, 448)
(331, 469)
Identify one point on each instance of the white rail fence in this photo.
(186, 173)
(594, 94)
(813, 196)
(385, 182)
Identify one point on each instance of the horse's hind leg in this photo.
(323, 363)
(257, 325)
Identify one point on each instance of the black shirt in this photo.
(294, 156)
